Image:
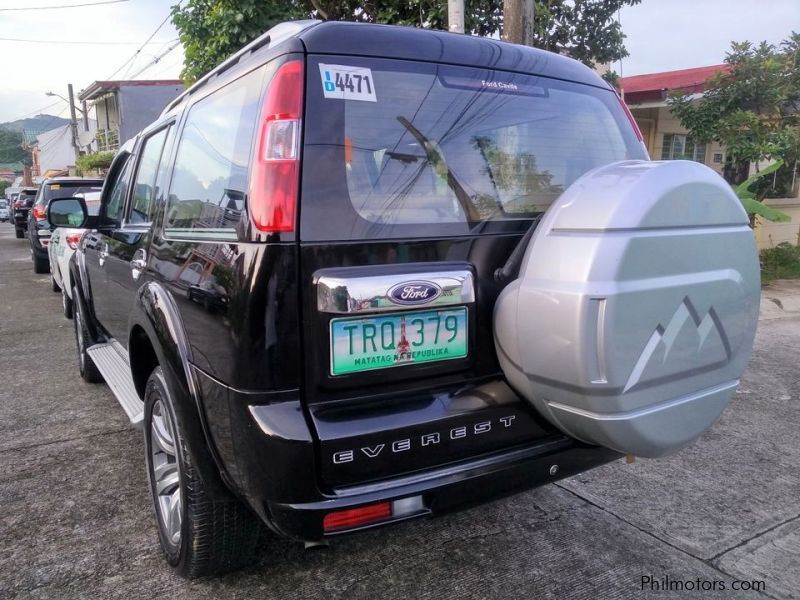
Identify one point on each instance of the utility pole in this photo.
(518, 21)
(73, 122)
(455, 16)
(85, 112)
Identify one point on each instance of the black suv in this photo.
(20, 208)
(39, 229)
(325, 284)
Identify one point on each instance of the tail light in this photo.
(355, 517)
(39, 212)
(274, 181)
(73, 239)
(18, 204)
(634, 124)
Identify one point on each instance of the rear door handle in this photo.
(138, 264)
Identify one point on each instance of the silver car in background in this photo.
(63, 243)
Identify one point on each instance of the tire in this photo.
(40, 265)
(19, 232)
(199, 535)
(86, 365)
(66, 304)
(54, 285)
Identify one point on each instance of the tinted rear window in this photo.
(68, 189)
(443, 150)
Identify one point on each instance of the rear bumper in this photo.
(448, 489)
(269, 455)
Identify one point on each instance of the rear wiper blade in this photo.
(510, 271)
(434, 155)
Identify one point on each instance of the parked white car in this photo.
(5, 213)
(63, 243)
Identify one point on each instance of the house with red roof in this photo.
(665, 137)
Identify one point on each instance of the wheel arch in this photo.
(143, 358)
(157, 338)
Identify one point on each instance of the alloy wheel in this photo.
(79, 342)
(166, 474)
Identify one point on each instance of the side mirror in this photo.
(67, 212)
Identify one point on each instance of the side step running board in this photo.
(114, 367)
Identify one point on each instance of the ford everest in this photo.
(359, 274)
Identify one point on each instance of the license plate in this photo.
(397, 340)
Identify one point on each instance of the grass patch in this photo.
(780, 262)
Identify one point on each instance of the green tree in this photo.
(11, 149)
(3, 185)
(753, 110)
(211, 30)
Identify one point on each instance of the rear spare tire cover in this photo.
(636, 306)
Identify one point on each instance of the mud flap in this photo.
(636, 306)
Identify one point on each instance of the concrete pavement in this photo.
(76, 520)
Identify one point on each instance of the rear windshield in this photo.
(68, 189)
(402, 149)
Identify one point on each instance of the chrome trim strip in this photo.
(361, 294)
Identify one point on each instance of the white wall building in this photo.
(55, 146)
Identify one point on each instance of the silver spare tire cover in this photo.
(635, 310)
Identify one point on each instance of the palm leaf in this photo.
(752, 205)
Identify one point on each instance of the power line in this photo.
(59, 6)
(167, 67)
(37, 111)
(156, 60)
(147, 41)
(49, 144)
(90, 43)
(53, 118)
(132, 65)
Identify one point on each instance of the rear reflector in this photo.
(73, 239)
(356, 517)
(274, 181)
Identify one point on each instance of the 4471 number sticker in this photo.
(347, 83)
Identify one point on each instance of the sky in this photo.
(664, 35)
(661, 35)
(29, 70)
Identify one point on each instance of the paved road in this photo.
(76, 521)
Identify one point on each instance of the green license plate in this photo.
(396, 340)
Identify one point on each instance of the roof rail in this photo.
(273, 36)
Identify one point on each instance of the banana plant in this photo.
(752, 205)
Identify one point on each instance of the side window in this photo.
(144, 185)
(116, 198)
(209, 179)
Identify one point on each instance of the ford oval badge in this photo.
(414, 292)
